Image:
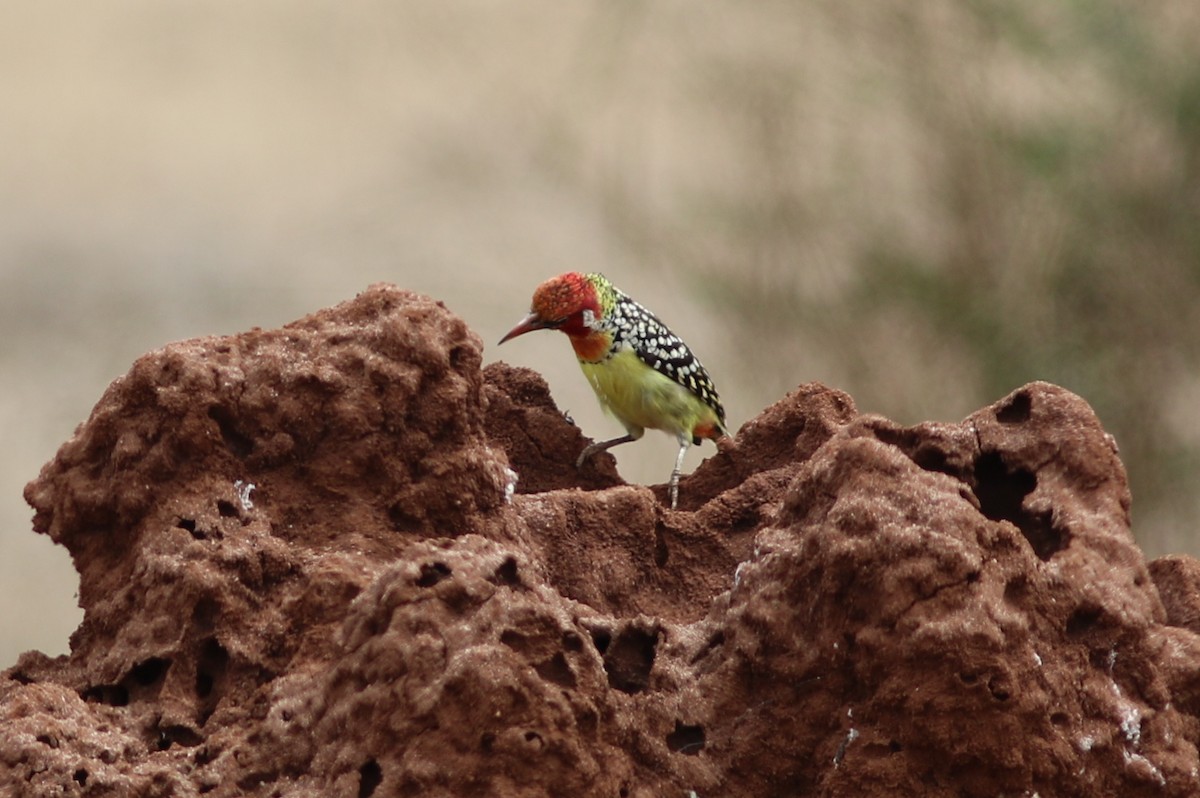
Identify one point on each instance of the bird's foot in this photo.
(587, 452)
(601, 446)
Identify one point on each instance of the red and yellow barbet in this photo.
(643, 373)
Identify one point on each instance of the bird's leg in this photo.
(684, 443)
(604, 446)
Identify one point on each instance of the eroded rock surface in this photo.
(841, 606)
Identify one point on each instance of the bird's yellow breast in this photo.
(642, 398)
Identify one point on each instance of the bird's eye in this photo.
(557, 322)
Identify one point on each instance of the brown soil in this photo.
(840, 607)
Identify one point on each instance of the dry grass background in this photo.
(923, 204)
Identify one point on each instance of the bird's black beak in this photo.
(528, 324)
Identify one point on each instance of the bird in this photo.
(642, 373)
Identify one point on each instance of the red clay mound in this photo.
(340, 558)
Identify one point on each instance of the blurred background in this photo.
(923, 204)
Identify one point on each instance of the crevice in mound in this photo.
(747, 519)
(402, 520)
(688, 740)
(370, 776)
(1083, 620)
(931, 458)
(189, 526)
(926, 454)
(507, 573)
(176, 734)
(20, 677)
(255, 779)
(714, 641)
(557, 671)
(601, 639)
(205, 755)
(212, 663)
(458, 355)
(661, 552)
(1016, 589)
(516, 641)
(141, 682)
(113, 695)
(629, 658)
(204, 615)
(1001, 491)
(1016, 410)
(999, 687)
(240, 445)
(432, 573)
(210, 667)
(149, 673)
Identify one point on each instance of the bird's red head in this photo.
(559, 304)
